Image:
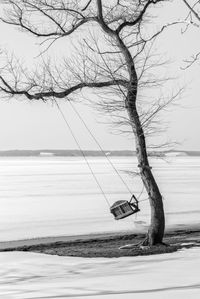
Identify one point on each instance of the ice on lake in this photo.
(55, 196)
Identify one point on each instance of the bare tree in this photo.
(110, 56)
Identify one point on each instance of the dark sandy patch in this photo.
(106, 245)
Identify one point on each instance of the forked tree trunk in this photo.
(157, 225)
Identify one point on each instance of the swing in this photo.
(121, 208)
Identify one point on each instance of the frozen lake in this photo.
(55, 196)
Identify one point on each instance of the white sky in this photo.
(25, 125)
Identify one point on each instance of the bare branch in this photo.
(191, 61)
(87, 5)
(44, 95)
(23, 11)
(138, 19)
(191, 8)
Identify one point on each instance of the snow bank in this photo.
(29, 275)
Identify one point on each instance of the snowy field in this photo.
(55, 196)
(58, 196)
(29, 276)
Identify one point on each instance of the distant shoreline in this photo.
(92, 153)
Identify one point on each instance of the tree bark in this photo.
(157, 226)
(156, 230)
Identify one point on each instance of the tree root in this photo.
(143, 245)
(129, 246)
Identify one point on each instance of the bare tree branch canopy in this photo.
(111, 55)
(58, 19)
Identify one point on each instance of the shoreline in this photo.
(54, 239)
(105, 244)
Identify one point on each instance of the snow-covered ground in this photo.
(55, 196)
(30, 275)
(49, 196)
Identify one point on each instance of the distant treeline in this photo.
(77, 153)
(63, 153)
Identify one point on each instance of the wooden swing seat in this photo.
(123, 208)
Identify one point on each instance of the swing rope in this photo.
(82, 152)
(100, 147)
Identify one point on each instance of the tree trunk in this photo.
(157, 226)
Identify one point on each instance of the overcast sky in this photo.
(36, 125)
